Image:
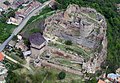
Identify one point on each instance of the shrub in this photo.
(61, 75)
(68, 42)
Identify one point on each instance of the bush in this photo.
(6, 3)
(68, 42)
(61, 75)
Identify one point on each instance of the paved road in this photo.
(23, 23)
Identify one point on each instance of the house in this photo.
(21, 45)
(38, 44)
(101, 81)
(1, 57)
(3, 7)
(113, 77)
(27, 53)
(17, 3)
(12, 43)
(15, 21)
(118, 71)
(26, 10)
(53, 5)
(118, 7)
(11, 1)
(2, 79)
(19, 37)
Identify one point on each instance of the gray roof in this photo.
(36, 39)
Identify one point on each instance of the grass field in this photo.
(47, 75)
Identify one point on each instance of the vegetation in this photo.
(67, 48)
(43, 75)
(6, 3)
(68, 42)
(35, 24)
(11, 13)
(5, 31)
(6, 15)
(27, 42)
(4, 27)
(42, 14)
(108, 9)
(61, 75)
(42, 1)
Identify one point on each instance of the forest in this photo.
(109, 10)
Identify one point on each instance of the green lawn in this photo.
(6, 30)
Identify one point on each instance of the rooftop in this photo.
(101, 81)
(36, 39)
(1, 56)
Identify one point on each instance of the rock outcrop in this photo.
(84, 27)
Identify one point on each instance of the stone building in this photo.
(38, 44)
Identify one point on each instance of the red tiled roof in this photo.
(101, 81)
(1, 56)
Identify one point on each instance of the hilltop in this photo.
(85, 28)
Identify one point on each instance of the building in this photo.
(3, 7)
(21, 45)
(12, 43)
(15, 21)
(26, 53)
(118, 71)
(1, 57)
(27, 9)
(38, 44)
(118, 7)
(17, 3)
(53, 5)
(114, 77)
(101, 81)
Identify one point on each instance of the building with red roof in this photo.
(101, 81)
(1, 56)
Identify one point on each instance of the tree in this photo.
(6, 3)
(93, 80)
(68, 42)
(61, 75)
(11, 14)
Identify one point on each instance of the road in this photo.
(23, 23)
